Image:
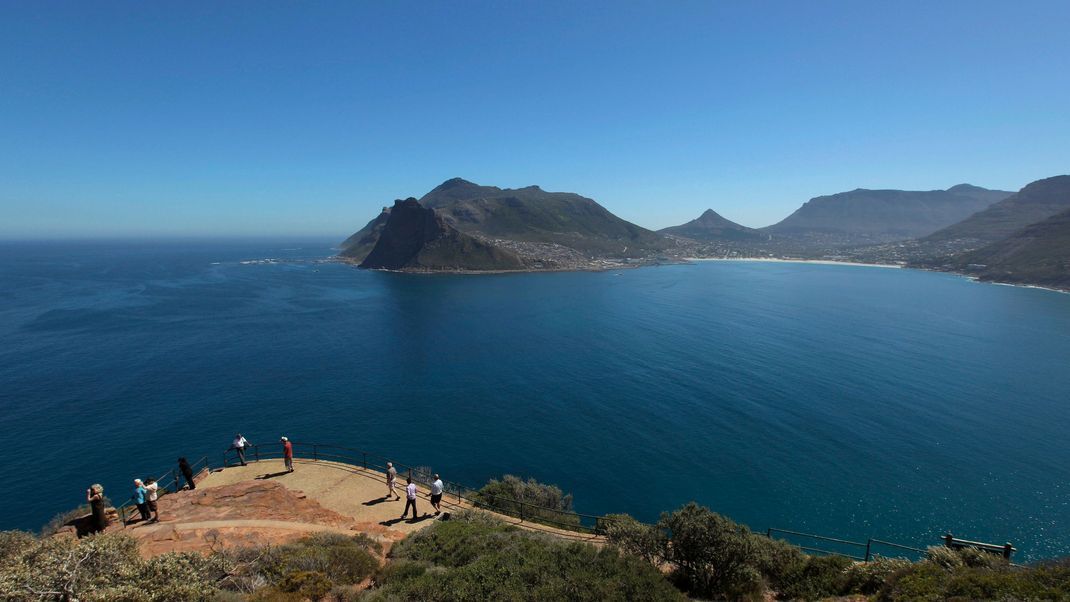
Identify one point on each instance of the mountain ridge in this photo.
(886, 214)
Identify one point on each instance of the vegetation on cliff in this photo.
(471, 555)
(475, 557)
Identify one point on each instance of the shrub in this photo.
(818, 577)
(869, 577)
(633, 537)
(473, 557)
(712, 556)
(941, 577)
(340, 559)
(13, 543)
(540, 502)
(309, 584)
(101, 567)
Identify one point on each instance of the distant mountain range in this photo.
(1021, 237)
(710, 226)
(886, 214)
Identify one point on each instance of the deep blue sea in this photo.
(849, 401)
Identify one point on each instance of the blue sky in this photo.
(304, 118)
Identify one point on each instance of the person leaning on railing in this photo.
(239, 444)
(187, 473)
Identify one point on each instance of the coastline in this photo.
(812, 261)
(686, 260)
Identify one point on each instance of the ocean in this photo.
(846, 401)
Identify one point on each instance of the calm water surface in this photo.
(848, 401)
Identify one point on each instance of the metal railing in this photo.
(167, 483)
(861, 551)
(526, 511)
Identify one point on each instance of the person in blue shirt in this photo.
(141, 499)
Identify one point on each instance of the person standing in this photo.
(391, 481)
(410, 499)
(436, 494)
(239, 444)
(95, 497)
(187, 473)
(151, 487)
(287, 454)
(141, 498)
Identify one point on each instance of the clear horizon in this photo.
(123, 120)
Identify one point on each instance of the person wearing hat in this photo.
(288, 454)
(391, 482)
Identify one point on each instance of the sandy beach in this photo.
(814, 261)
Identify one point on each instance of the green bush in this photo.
(974, 577)
(100, 567)
(633, 537)
(869, 577)
(473, 557)
(818, 577)
(540, 502)
(340, 559)
(712, 556)
(309, 584)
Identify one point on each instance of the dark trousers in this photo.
(189, 480)
(241, 455)
(408, 503)
(143, 508)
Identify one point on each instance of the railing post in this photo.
(256, 452)
(769, 533)
(315, 452)
(869, 542)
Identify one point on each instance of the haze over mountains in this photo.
(886, 214)
(460, 225)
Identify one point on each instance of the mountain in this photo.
(416, 238)
(1037, 254)
(524, 228)
(532, 214)
(710, 226)
(1037, 201)
(886, 215)
(357, 246)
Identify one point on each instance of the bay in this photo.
(848, 401)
